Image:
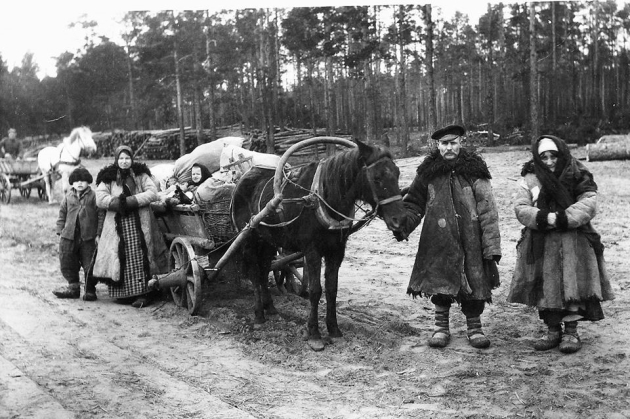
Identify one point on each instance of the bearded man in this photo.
(460, 242)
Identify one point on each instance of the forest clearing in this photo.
(71, 358)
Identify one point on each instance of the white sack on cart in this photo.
(208, 154)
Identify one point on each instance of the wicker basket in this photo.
(218, 220)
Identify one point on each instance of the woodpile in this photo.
(158, 144)
(285, 139)
(609, 147)
(164, 144)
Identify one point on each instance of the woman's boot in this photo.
(476, 338)
(70, 291)
(570, 340)
(551, 339)
(90, 289)
(441, 336)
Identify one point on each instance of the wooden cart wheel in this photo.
(5, 189)
(182, 255)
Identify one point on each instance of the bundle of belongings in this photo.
(221, 163)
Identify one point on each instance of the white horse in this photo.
(64, 158)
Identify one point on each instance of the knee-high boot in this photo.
(475, 334)
(90, 288)
(442, 335)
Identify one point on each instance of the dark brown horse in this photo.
(315, 218)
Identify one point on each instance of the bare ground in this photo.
(62, 359)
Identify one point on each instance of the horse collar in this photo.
(320, 212)
(75, 160)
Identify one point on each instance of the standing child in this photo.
(560, 257)
(79, 227)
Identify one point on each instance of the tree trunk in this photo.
(180, 108)
(404, 118)
(619, 150)
(311, 95)
(490, 83)
(554, 65)
(533, 91)
(132, 102)
(429, 63)
(210, 81)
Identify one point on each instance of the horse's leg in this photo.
(65, 178)
(252, 270)
(331, 275)
(313, 265)
(303, 291)
(49, 182)
(265, 256)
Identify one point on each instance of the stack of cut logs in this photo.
(164, 144)
(285, 139)
(157, 144)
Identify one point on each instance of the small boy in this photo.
(79, 225)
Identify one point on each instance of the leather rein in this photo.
(315, 200)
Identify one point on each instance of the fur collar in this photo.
(109, 173)
(468, 164)
(527, 168)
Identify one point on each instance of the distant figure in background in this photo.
(78, 226)
(131, 248)
(560, 257)
(11, 147)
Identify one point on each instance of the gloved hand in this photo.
(490, 267)
(131, 203)
(114, 204)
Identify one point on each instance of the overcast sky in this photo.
(42, 26)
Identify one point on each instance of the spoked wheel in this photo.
(5, 189)
(182, 256)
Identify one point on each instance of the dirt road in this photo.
(64, 359)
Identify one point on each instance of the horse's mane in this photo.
(76, 132)
(341, 171)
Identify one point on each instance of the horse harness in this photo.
(75, 160)
(316, 201)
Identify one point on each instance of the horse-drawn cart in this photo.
(197, 236)
(316, 218)
(20, 174)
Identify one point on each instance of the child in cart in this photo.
(79, 226)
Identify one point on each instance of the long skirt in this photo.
(135, 273)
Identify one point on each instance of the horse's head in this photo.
(81, 138)
(381, 175)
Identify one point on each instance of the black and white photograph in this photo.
(353, 210)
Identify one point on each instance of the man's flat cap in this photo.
(457, 130)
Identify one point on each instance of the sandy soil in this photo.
(63, 359)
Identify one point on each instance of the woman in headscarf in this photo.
(131, 248)
(560, 258)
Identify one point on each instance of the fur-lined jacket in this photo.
(108, 191)
(460, 235)
(566, 266)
